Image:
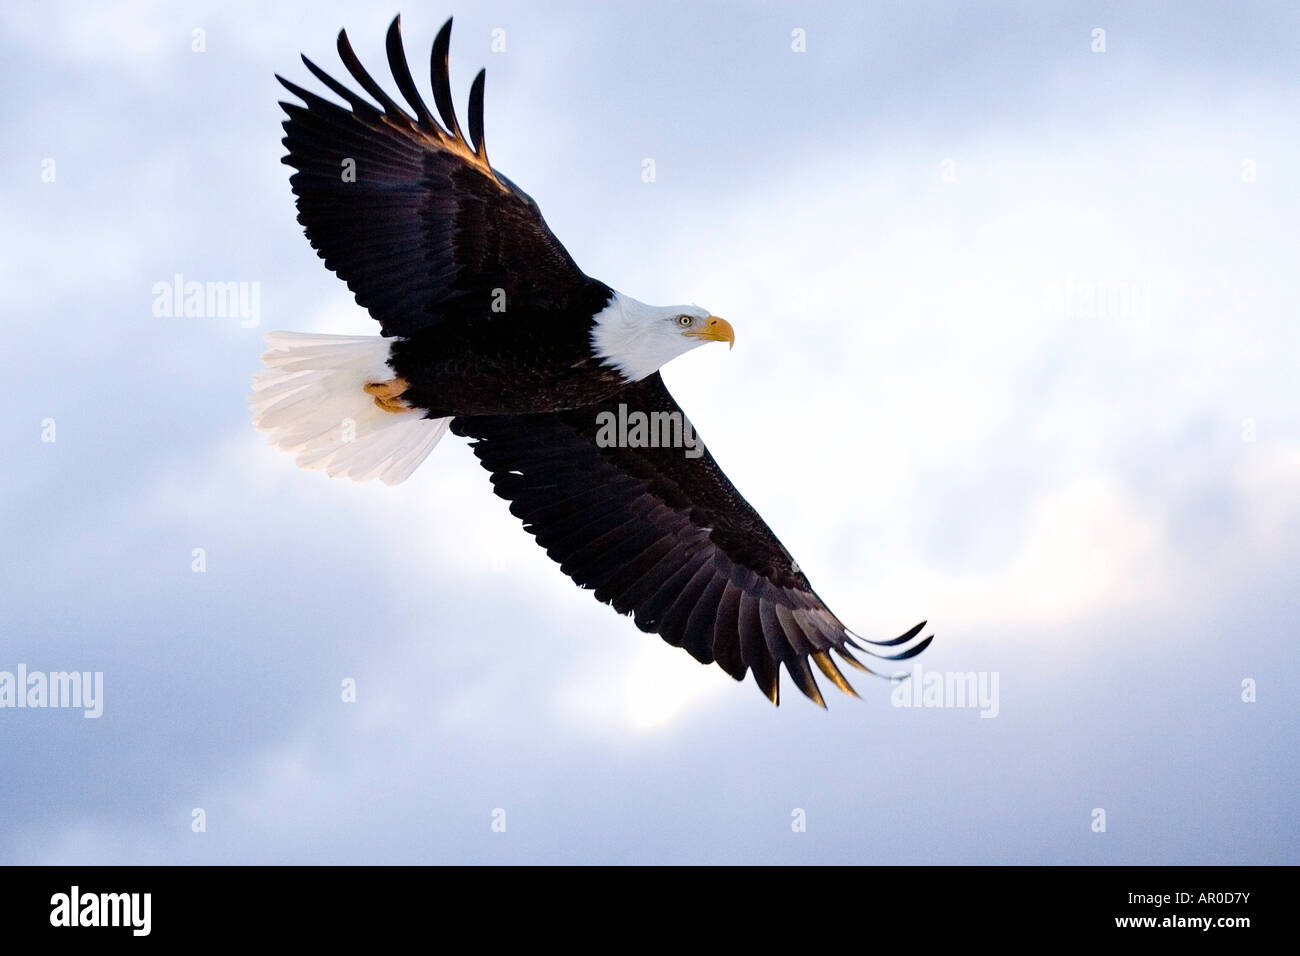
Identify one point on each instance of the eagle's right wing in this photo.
(410, 213)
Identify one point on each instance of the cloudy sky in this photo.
(1016, 349)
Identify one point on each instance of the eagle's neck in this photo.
(634, 338)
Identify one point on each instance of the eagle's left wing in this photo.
(667, 538)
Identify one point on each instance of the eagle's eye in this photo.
(685, 321)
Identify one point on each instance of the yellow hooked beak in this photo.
(715, 330)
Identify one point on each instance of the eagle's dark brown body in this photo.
(504, 363)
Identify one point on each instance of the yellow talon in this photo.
(388, 394)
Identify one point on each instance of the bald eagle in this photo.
(491, 330)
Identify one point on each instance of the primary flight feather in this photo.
(491, 330)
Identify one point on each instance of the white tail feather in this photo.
(311, 398)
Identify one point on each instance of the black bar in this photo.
(331, 903)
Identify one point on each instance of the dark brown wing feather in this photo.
(668, 539)
(426, 229)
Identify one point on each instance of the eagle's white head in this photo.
(639, 339)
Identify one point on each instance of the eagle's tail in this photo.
(313, 399)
